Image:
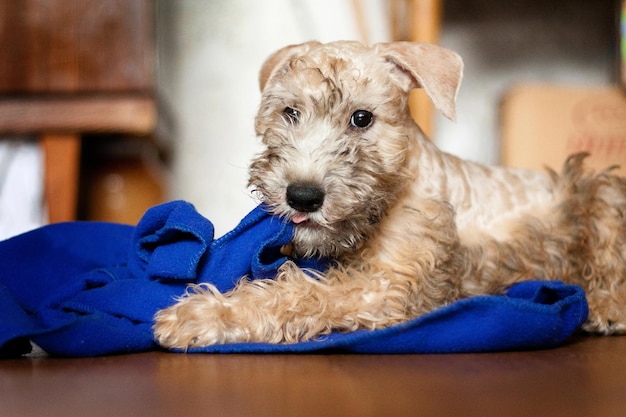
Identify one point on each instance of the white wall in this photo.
(21, 188)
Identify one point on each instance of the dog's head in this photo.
(338, 134)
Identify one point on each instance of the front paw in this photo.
(201, 318)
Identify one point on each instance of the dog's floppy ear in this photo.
(279, 59)
(435, 69)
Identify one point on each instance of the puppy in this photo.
(411, 228)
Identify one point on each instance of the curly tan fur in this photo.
(411, 228)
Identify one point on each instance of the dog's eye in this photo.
(361, 118)
(291, 115)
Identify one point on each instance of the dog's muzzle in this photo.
(305, 197)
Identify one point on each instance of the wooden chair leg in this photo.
(424, 26)
(61, 171)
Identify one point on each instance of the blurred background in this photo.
(110, 106)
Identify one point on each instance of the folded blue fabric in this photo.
(89, 288)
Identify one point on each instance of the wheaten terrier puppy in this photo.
(411, 228)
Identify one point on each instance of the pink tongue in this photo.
(299, 218)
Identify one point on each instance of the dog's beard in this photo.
(334, 240)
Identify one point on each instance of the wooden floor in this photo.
(585, 378)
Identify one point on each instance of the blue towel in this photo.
(91, 288)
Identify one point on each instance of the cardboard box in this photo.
(542, 124)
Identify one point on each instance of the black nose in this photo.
(305, 197)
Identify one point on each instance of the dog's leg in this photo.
(292, 307)
(594, 213)
(603, 271)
